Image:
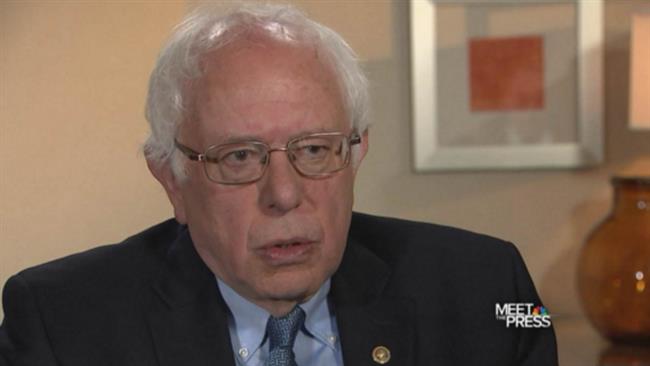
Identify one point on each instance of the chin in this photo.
(295, 287)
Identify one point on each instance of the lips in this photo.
(287, 252)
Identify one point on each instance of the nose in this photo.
(281, 188)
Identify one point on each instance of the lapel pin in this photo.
(381, 355)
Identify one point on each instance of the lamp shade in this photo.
(640, 72)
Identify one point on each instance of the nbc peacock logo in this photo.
(539, 311)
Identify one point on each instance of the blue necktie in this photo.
(282, 334)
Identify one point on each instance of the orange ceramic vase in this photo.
(614, 266)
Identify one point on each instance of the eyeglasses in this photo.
(313, 156)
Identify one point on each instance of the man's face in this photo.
(277, 240)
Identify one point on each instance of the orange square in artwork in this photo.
(506, 73)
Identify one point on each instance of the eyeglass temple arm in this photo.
(191, 154)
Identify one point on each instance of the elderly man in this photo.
(258, 121)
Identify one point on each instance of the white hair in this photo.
(206, 29)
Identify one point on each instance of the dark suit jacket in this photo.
(426, 292)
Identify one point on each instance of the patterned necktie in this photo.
(282, 334)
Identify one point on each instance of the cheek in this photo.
(333, 199)
(211, 202)
(219, 218)
(339, 193)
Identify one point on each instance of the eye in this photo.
(239, 155)
(314, 151)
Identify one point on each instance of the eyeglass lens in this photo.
(246, 161)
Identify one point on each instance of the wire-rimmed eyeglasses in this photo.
(315, 155)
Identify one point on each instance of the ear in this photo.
(163, 173)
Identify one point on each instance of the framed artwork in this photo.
(506, 84)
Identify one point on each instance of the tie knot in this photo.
(282, 331)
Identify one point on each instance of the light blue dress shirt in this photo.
(317, 343)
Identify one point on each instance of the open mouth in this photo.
(288, 252)
(284, 246)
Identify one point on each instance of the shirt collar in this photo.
(249, 320)
(319, 320)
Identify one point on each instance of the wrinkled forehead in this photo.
(254, 62)
(256, 57)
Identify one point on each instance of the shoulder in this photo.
(392, 239)
(432, 262)
(86, 299)
(105, 267)
(455, 260)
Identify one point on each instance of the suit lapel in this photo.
(187, 316)
(366, 316)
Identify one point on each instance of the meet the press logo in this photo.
(523, 315)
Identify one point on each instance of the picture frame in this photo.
(556, 124)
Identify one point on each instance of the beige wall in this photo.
(72, 88)
(73, 78)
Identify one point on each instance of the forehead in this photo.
(255, 78)
(254, 56)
